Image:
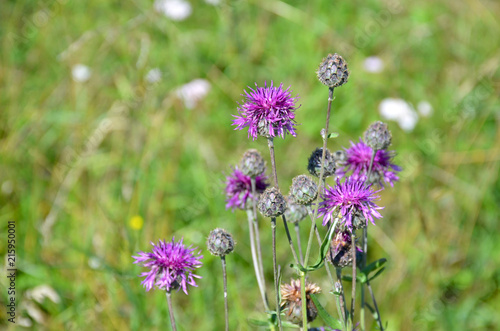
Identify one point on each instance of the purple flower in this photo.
(239, 189)
(358, 161)
(267, 111)
(170, 266)
(348, 199)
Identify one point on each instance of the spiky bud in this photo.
(378, 136)
(314, 164)
(340, 158)
(291, 300)
(252, 163)
(333, 71)
(220, 242)
(303, 190)
(272, 203)
(295, 212)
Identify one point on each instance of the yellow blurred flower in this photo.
(136, 222)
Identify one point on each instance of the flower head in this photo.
(358, 161)
(346, 199)
(220, 242)
(291, 298)
(239, 189)
(267, 111)
(170, 266)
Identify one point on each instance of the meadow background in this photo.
(97, 163)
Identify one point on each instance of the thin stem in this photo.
(171, 311)
(379, 320)
(257, 239)
(290, 242)
(342, 297)
(325, 137)
(270, 144)
(224, 276)
(275, 271)
(304, 302)
(260, 282)
(297, 232)
(353, 297)
(365, 251)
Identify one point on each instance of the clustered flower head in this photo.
(170, 265)
(303, 190)
(267, 111)
(378, 136)
(346, 199)
(294, 212)
(239, 189)
(333, 71)
(314, 163)
(358, 162)
(291, 299)
(252, 163)
(272, 203)
(220, 242)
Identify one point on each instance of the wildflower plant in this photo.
(343, 194)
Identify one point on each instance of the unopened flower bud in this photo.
(314, 164)
(272, 203)
(220, 242)
(303, 190)
(252, 164)
(333, 71)
(378, 136)
(295, 212)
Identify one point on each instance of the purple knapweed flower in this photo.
(170, 266)
(344, 200)
(358, 162)
(267, 111)
(239, 189)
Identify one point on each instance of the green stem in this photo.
(171, 311)
(297, 232)
(275, 271)
(353, 297)
(226, 307)
(304, 299)
(258, 275)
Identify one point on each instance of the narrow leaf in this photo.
(332, 322)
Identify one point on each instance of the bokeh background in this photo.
(115, 130)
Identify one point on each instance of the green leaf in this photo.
(373, 266)
(325, 246)
(333, 135)
(376, 274)
(332, 322)
(255, 322)
(361, 278)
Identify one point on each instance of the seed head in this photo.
(303, 190)
(220, 242)
(333, 71)
(294, 212)
(378, 136)
(314, 164)
(291, 299)
(272, 203)
(252, 163)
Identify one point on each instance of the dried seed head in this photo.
(252, 163)
(314, 164)
(333, 71)
(303, 190)
(220, 242)
(291, 300)
(295, 212)
(378, 136)
(272, 203)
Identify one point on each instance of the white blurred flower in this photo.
(41, 292)
(193, 91)
(373, 64)
(400, 111)
(7, 187)
(81, 73)
(153, 75)
(424, 108)
(24, 322)
(176, 10)
(94, 263)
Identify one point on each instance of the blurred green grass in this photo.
(166, 163)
